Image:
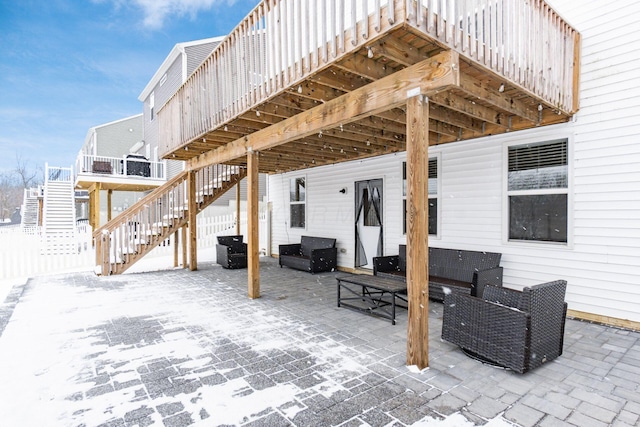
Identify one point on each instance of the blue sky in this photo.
(68, 65)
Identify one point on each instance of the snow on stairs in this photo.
(131, 235)
(30, 211)
(58, 222)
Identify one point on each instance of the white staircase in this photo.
(30, 211)
(58, 218)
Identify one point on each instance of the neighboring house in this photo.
(174, 70)
(183, 59)
(108, 168)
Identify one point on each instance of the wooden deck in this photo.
(516, 63)
(306, 83)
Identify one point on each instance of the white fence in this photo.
(20, 253)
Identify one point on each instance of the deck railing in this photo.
(55, 173)
(120, 166)
(280, 42)
(153, 218)
(527, 42)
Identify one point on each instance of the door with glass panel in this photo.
(368, 222)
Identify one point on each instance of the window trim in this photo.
(304, 203)
(538, 139)
(438, 196)
(152, 106)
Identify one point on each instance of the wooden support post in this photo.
(109, 205)
(184, 247)
(94, 206)
(193, 238)
(418, 231)
(176, 249)
(238, 207)
(253, 237)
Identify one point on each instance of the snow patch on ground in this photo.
(458, 420)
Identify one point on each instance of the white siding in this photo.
(602, 260)
(331, 213)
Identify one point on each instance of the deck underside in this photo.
(482, 104)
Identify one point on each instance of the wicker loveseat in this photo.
(231, 252)
(467, 271)
(312, 254)
(516, 330)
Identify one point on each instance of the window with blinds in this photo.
(538, 166)
(538, 178)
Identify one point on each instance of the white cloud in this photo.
(156, 12)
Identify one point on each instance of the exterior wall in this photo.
(601, 261)
(196, 54)
(231, 194)
(116, 138)
(162, 91)
(176, 73)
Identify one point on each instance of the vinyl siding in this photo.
(115, 139)
(191, 59)
(161, 94)
(196, 54)
(602, 260)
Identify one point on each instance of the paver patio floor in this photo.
(179, 348)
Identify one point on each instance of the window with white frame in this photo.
(433, 197)
(537, 192)
(297, 202)
(152, 105)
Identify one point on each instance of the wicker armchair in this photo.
(231, 252)
(512, 329)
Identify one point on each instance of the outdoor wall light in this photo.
(343, 190)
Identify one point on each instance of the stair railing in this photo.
(151, 220)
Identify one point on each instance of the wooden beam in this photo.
(94, 205)
(476, 88)
(469, 107)
(109, 205)
(577, 54)
(192, 212)
(418, 231)
(184, 247)
(253, 236)
(364, 67)
(428, 76)
(176, 249)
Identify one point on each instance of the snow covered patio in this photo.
(177, 348)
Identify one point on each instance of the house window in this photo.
(433, 197)
(537, 191)
(152, 105)
(297, 202)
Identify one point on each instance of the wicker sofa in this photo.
(231, 252)
(463, 270)
(509, 328)
(312, 254)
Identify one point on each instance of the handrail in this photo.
(280, 42)
(54, 173)
(274, 47)
(120, 166)
(526, 42)
(146, 222)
